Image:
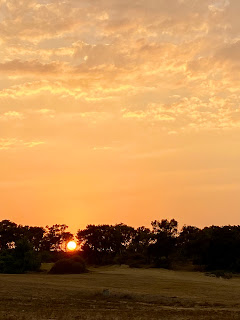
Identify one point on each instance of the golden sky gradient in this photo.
(119, 111)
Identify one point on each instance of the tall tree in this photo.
(163, 241)
(54, 237)
(102, 243)
(141, 240)
(8, 234)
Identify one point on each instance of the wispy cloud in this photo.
(159, 77)
(11, 143)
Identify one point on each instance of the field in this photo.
(119, 293)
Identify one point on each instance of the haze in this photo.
(119, 111)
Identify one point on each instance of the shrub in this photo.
(52, 256)
(74, 265)
(136, 260)
(162, 262)
(220, 274)
(20, 259)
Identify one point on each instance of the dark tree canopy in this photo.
(103, 242)
(55, 236)
(163, 245)
(8, 233)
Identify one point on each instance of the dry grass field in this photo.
(133, 294)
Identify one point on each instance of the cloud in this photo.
(191, 114)
(123, 96)
(229, 52)
(13, 143)
(102, 148)
(11, 115)
(173, 65)
(45, 111)
(35, 20)
(23, 68)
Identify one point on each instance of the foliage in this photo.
(164, 242)
(136, 260)
(100, 244)
(219, 274)
(8, 233)
(21, 259)
(42, 239)
(52, 256)
(208, 249)
(55, 236)
(214, 247)
(72, 265)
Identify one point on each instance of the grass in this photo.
(131, 294)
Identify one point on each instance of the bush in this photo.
(20, 259)
(136, 260)
(74, 265)
(219, 274)
(162, 262)
(52, 256)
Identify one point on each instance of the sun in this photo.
(71, 245)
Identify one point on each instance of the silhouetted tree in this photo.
(100, 244)
(54, 237)
(188, 241)
(66, 237)
(34, 234)
(169, 228)
(211, 248)
(8, 234)
(141, 240)
(163, 241)
(19, 259)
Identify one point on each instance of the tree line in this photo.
(23, 248)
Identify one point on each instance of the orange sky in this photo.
(119, 111)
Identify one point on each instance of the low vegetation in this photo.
(72, 265)
(23, 248)
(114, 293)
(20, 259)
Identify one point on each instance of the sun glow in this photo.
(71, 245)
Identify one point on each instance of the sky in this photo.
(119, 111)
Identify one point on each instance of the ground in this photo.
(119, 293)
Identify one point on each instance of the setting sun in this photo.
(71, 245)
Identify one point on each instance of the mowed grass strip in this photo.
(133, 294)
